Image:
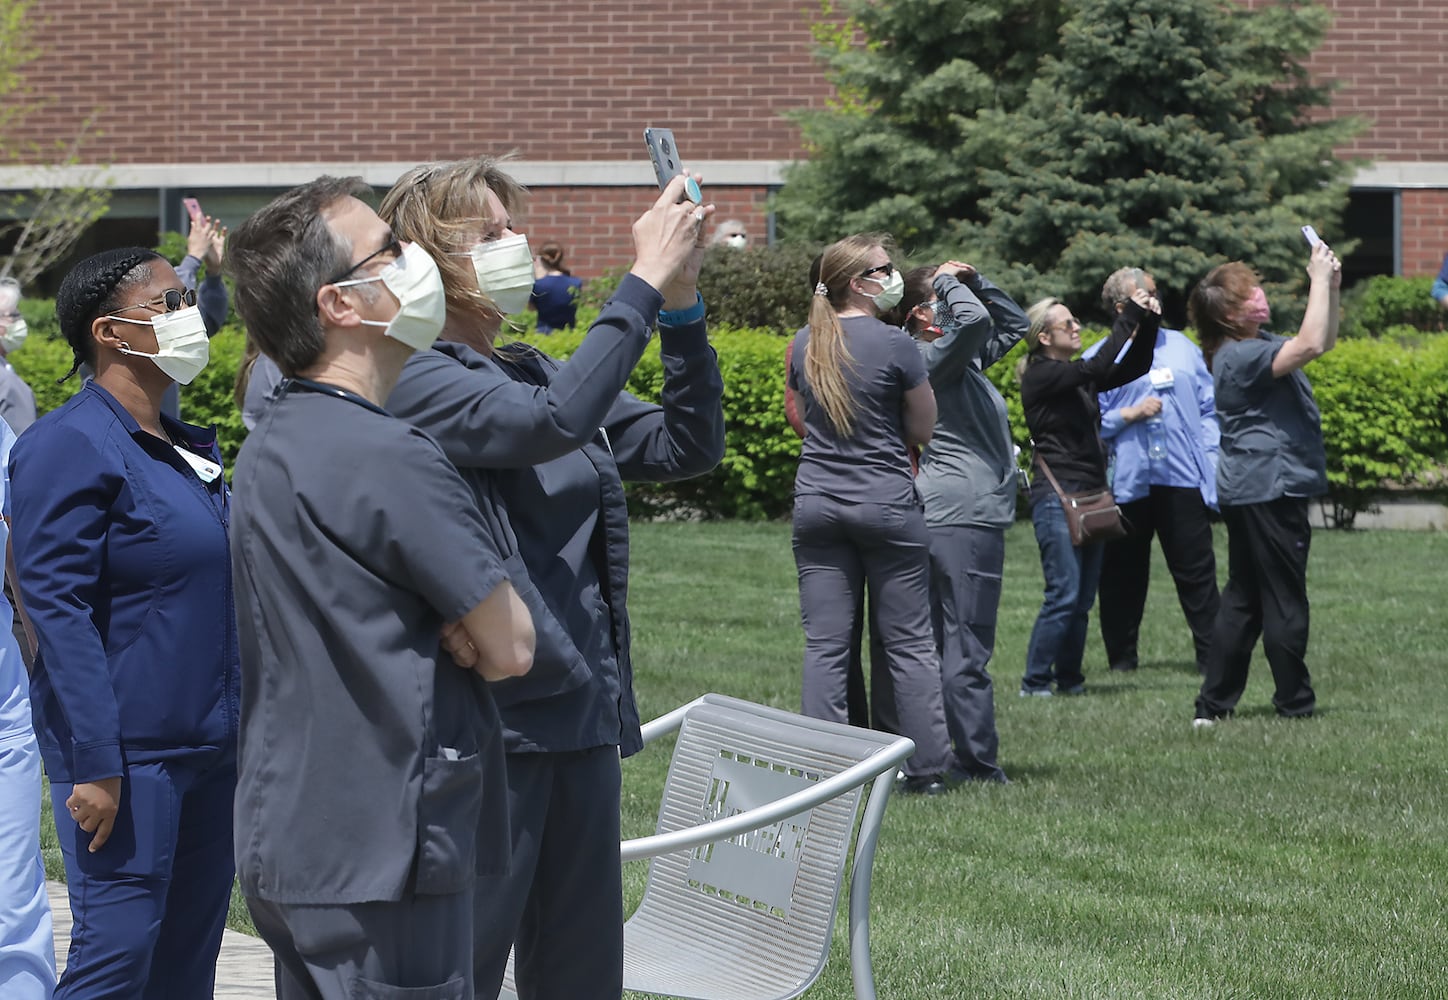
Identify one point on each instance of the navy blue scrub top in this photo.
(122, 562)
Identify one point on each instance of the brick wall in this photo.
(594, 224)
(1425, 230)
(1389, 60)
(279, 80)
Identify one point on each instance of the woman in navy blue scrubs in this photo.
(120, 540)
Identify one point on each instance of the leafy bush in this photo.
(1384, 302)
(763, 287)
(1384, 405)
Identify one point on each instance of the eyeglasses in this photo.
(886, 269)
(392, 246)
(173, 299)
(1071, 323)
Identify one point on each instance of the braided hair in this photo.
(91, 290)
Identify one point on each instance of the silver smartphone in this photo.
(664, 154)
(1310, 235)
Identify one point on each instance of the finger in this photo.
(673, 192)
(103, 834)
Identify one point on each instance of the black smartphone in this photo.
(664, 154)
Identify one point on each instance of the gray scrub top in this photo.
(371, 765)
(1271, 428)
(873, 464)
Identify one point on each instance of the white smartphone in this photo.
(1310, 235)
(664, 154)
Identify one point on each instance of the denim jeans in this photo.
(1059, 636)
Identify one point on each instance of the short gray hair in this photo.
(1119, 286)
(9, 293)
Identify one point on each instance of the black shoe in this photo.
(955, 777)
(920, 784)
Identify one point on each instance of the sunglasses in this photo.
(392, 246)
(172, 300)
(885, 269)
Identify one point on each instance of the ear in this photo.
(109, 333)
(334, 308)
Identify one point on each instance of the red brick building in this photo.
(232, 102)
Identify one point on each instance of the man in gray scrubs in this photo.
(371, 790)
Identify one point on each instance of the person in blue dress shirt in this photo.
(120, 541)
(1161, 430)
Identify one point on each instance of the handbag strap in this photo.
(1047, 470)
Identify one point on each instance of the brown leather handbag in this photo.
(1092, 516)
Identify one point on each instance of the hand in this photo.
(1146, 300)
(215, 248)
(93, 805)
(1148, 407)
(956, 269)
(198, 240)
(669, 244)
(455, 643)
(1323, 265)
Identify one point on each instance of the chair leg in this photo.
(861, 968)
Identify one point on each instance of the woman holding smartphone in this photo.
(554, 442)
(120, 540)
(1271, 462)
(1059, 397)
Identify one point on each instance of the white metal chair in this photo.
(751, 850)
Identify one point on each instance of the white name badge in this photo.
(1161, 378)
(205, 470)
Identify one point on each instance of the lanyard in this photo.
(327, 389)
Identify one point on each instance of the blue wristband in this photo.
(683, 317)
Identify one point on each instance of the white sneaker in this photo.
(1203, 723)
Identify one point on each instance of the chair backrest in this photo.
(768, 896)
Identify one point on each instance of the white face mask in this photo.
(892, 290)
(505, 271)
(736, 240)
(12, 338)
(182, 347)
(414, 278)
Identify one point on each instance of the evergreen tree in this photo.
(902, 148)
(1053, 141)
(1170, 134)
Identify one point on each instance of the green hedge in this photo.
(1384, 402)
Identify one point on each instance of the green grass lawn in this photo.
(1131, 857)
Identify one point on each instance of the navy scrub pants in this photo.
(838, 546)
(1266, 595)
(1180, 519)
(561, 903)
(149, 906)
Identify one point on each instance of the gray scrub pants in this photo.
(966, 563)
(837, 547)
(420, 947)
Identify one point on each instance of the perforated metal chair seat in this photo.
(751, 853)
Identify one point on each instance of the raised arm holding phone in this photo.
(554, 441)
(1272, 462)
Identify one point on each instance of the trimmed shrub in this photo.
(1373, 307)
(1384, 409)
(764, 287)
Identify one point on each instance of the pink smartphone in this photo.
(193, 209)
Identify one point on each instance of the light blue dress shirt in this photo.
(1189, 419)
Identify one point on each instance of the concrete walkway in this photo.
(243, 971)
